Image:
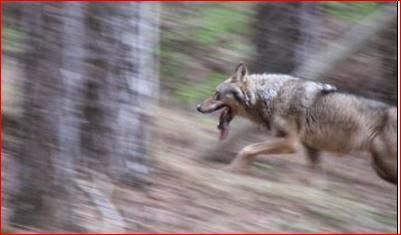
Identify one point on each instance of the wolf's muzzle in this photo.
(210, 106)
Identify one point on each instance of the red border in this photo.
(173, 1)
(196, 1)
(1, 120)
(399, 121)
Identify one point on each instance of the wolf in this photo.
(306, 114)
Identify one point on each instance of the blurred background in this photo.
(101, 133)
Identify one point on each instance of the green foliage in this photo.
(216, 22)
(191, 93)
(351, 11)
(193, 32)
(170, 69)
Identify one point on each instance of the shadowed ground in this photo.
(281, 194)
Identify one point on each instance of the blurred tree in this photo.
(388, 52)
(276, 35)
(309, 41)
(34, 202)
(91, 81)
(286, 35)
(122, 71)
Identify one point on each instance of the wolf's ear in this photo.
(241, 73)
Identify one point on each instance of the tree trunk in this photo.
(35, 205)
(123, 68)
(91, 82)
(276, 36)
(309, 28)
(388, 49)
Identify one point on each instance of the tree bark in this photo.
(34, 204)
(276, 35)
(91, 84)
(123, 67)
(388, 50)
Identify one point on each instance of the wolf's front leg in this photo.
(248, 154)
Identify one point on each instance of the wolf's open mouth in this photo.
(225, 117)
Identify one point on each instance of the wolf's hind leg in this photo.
(248, 154)
(384, 148)
(313, 155)
(384, 162)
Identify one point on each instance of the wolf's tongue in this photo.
(223, 133)
(223, 124)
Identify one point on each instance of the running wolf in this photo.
(308, 114)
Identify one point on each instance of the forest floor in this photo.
(191, 194)
(188, 193)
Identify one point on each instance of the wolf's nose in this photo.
(198, 107)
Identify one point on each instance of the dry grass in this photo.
(280, 194)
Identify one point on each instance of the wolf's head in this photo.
(231, 97)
